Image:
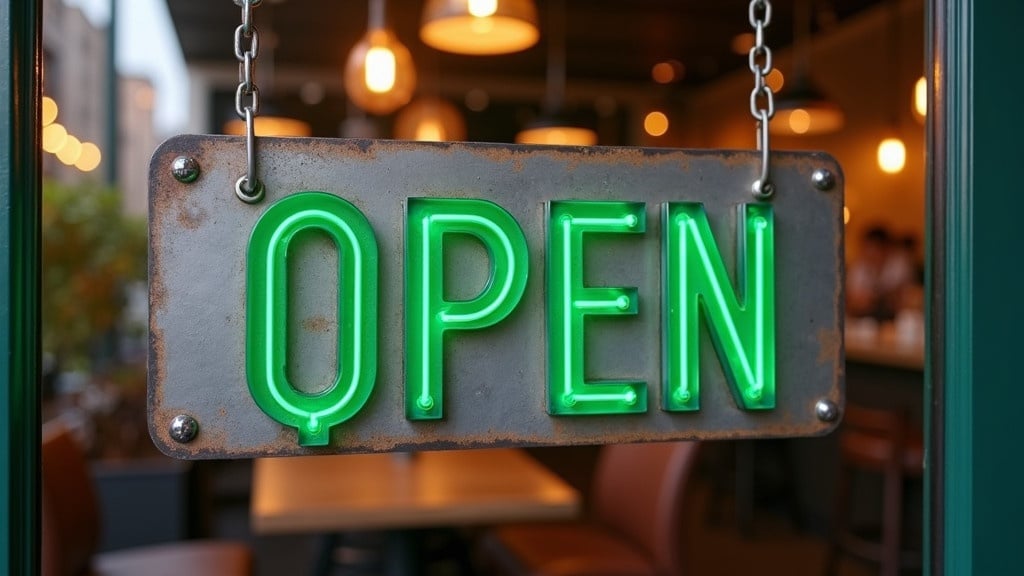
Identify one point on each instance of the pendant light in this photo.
(430, 119)
(480, 27)
(920, 99)
(553, 126)
(379, 74)
(803, 110)
(269, 122)
(892, 153)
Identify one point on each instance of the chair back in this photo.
(879, 439)
(70, 513)
(639, 491)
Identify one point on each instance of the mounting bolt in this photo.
(823, 179)
(826, 410)
(184, 428)
(185, 169)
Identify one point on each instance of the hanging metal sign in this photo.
(391, 295)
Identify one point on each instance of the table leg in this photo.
(745, 487)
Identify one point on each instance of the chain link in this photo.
(247, 98)
(762, 101)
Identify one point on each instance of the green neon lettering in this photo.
(742, 326)
(569, 302)
(428, 315)
(266, 309)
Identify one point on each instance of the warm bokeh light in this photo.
(380, 69)
(379, 74)
(846, 214)
(921, 97)
(480, 27)
(49, 112)
(668, 71)
(430, 120)
(892, 155)
(656, 123)
(811, 117)
(270, 126)
(483, 8)
(70, 151)
(742, 43)
(799, 121)
(560, 135)
(54, 137)
(89, 158)
(775, 80)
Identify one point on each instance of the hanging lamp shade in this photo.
(379, 74)
(430, 120)
(805, 111)
(556, 129)
(270, 125)
(480, 27)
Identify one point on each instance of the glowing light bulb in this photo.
(921, 97)
(379, 74)
(49, 111)
(89, 158)
(656, 123)
(380, 69)
(799, 121)
(429, 131)
(483, 8)
(430, 120)
(892, 155)
(70, 151)
(54, 136)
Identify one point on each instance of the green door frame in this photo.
(975, 505)
(19, 285)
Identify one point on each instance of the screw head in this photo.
(185, 169)
(184, 428)
(826, 410)
(823, 179)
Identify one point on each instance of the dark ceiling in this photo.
(607, 40)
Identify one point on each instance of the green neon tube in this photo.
(569, 302)
(742, 325)
(428, 315)
(313, 415)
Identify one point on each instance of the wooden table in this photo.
(323, 494)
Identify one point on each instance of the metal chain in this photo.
(762, 103)
(247, 47)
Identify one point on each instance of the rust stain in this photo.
(318, 324)
(830, 342)
(191, 219)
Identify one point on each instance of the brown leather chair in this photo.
(881, 442)
(70, 527)
(635, 526)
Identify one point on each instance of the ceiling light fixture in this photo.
(480, 27)
(379, 74)
(553, 126)
(892, 153)
(430, 120)
(803, 110)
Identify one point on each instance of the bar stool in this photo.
(880, 442)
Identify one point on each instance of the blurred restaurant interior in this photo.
(848, 76)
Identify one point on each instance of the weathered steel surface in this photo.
(495, 379)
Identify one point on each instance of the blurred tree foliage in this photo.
(90, 251)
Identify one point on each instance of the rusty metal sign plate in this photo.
(508, 377)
